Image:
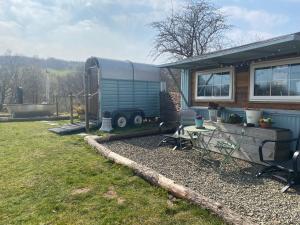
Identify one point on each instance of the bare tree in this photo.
(4, 86)
(195, 29)
(31, 73)
(9, 78)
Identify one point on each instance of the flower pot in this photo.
(253, 116)
(213, 114)
(265, 125)
(106, 125)
(199, 123)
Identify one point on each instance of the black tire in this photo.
(120, 121)
(137, 119)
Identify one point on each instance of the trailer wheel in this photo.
(137, 119)
(120, 121)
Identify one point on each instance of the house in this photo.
(264, 75)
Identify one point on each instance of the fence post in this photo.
(71, 108)
(56, 104)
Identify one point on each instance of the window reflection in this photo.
(277, 81)
(214, 85)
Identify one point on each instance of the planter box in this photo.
(253, 137)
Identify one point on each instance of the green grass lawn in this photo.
(49, 179)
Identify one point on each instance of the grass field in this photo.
(48, 179)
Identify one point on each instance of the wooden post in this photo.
(71, 108)
(86, 95)
(56, 103)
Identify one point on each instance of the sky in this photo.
(119, 29)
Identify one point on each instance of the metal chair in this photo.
(201, 141)
(180, 139)
(290, 167)
(227, 146)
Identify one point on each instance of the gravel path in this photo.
(238, 189)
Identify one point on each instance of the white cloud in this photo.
(240, 37)
(9, 28)
(256, 19)
(77, 29)
(56, 29)
(252, 25)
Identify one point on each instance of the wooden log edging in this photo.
(171, 186)
(115, 137)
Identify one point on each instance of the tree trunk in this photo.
(2, 97)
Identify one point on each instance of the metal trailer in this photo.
(128, 90)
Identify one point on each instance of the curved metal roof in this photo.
(124, 70)
(283, 45)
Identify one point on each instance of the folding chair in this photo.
(201, 140)
(227, 146)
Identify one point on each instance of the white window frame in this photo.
(258, 65)
(216, 98)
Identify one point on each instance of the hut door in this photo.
(94, 95)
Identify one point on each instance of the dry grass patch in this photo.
(80, 191)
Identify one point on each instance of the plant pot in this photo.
(213, 114)
(199, 123)
(253, 116)
(106, 125)
(265, 125)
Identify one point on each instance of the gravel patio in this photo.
(237, 188)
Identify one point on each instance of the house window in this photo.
(279, 81)
(214, 85)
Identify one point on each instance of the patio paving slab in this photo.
(237, 188)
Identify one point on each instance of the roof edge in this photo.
(250, 46)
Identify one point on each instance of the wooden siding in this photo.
(241, 96)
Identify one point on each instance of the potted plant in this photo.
(80, 112)
(265, 122)
(199, 121)
(106, 122)
(213, 111)
(234, 119)
(253, 116)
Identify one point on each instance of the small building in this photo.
(262, 75)
(128, 90)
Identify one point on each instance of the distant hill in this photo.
(57, 66)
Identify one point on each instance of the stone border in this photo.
(158, 179)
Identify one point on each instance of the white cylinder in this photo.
(106, 125)
(253, 116)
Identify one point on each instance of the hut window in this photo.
(277, 82)
(212, 85)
